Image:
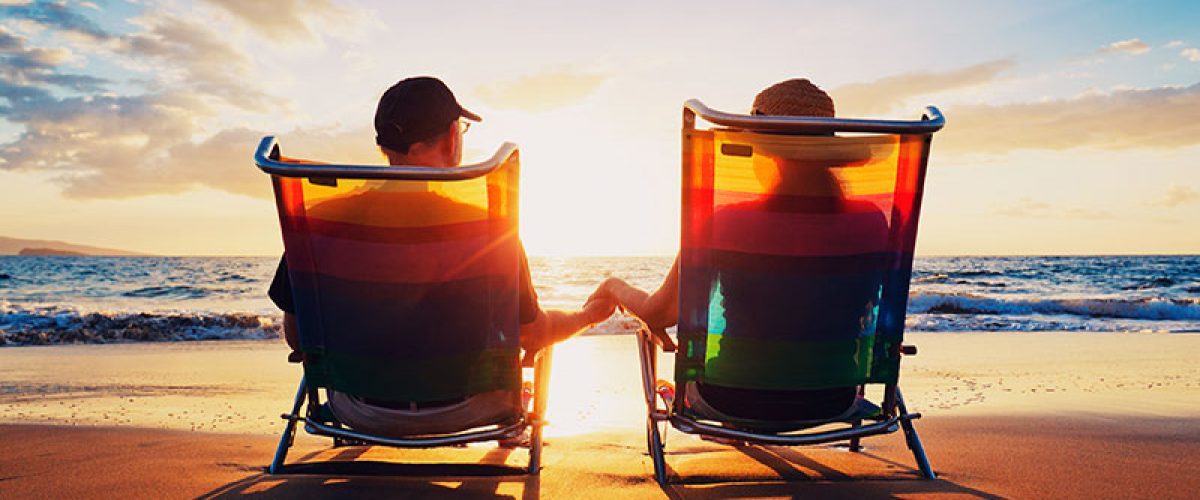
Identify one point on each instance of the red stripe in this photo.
(807, 204)
(404, 235)
(407, 263)
(797, 234)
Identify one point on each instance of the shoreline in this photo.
(241, 386)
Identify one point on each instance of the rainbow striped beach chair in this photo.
(405, 283)
(796, 253)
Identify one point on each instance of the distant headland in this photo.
(18, 246)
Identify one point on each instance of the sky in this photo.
(1073, 127)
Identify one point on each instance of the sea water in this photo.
(51, 300)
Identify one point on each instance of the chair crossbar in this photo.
(692, 426)
(321, 429)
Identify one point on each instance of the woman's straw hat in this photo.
(795, 97)
(799, 97)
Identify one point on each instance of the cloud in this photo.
(285, 19)
(1132, 46)
(55, 15)
(27, 72)
(1086, 214)
(1026, 207)
(10, 42)
(196, 58)
(100, 139)
(541, 91)
(1173, 44)
(99, 144)
(1191, 54)
(1177, 195)
(119, 147)
(1163, 117)
(862, 99)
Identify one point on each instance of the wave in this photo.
(1145, 308)
(178, 291)
(55, 325)
(978, 273)
(227, 277)
(1154, 283)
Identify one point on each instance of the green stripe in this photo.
(424, 380)
(751, 363)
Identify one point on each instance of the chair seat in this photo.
(862, 409)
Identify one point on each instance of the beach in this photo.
(1062, 414)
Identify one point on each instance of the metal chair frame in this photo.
(307, 402)
(895, 414)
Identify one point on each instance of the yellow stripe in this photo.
(398, 203)
(860, 166)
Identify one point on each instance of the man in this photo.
(418, 122)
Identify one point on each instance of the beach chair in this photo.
(405, 283)
(795, 258)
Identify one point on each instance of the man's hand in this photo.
(556, 326)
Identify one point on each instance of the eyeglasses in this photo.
(464, 126)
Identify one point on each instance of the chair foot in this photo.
(913, 440)
(535, 450)
(289, 431)
(285, 442)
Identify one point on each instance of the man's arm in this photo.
(551, 327)
(290, 331)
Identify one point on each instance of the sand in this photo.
(1006, 415)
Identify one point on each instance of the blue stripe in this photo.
(406, 321)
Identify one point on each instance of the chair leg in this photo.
(541, 389)
(914, 441)
(647, 355)
(855, 442)
(657, 454)
(289, 431)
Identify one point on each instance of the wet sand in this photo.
(1008, 415)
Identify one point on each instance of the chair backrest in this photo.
(797, 249)
(404, 278)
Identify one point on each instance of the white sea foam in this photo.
(1102, 307)
(43, 325)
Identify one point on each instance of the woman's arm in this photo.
(659, 309)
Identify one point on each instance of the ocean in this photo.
(56, 300)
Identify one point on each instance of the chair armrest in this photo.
(660, 337)
(529, 358)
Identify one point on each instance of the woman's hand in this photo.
(611, 289)
(597, 309)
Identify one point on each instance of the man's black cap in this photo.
(414, 110)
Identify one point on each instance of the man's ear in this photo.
(452, 137)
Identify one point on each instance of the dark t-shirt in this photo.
(281, 291)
